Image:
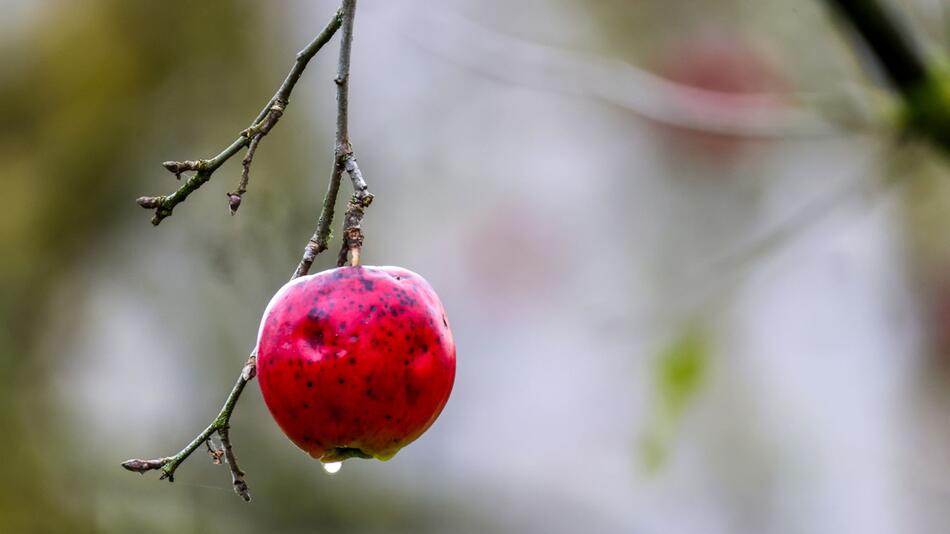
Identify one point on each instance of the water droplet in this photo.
(341, 353)
(333, 467)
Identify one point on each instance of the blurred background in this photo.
(696, 285)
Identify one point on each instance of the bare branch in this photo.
(925, 88)
(237, 476)
(266, 119)
(234, 197)
(342, 161)
(657, 99)
(342, 148)
(898, 55)
(345, 160)
(169, 464)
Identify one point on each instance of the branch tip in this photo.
(237, 476)
(149, 202)
(234, 202)
(141, 466)
(173, 167)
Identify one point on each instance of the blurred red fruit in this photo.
(724, 67)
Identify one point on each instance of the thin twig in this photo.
(897, 54)
(345, 160)
(545, 68)
(234, 197)
(266, 119)
(237, 476)
(169, 464)
(318, 243)
(707, 280)
(342, 148)
(924, 88)
(255, 135)
(216, 454)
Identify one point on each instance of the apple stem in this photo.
(356, 208)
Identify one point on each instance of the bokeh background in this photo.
(676, 312)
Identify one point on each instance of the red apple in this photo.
(355, 361)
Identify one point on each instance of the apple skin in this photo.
(355, 361)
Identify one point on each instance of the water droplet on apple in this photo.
(333, 467)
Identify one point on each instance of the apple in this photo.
(355, 361)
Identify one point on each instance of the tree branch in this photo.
(659, 100)
(220, 424)
(925, 89)
(266, 119)
(343, 150)
(343, 160)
